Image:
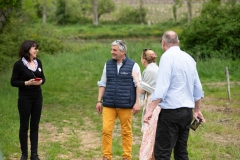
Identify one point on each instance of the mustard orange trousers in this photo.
(109, 115)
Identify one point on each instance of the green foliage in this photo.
(29, 10)
(128, 15)
(61, 12)
(80, 12)
(73, 32)
(50, 8)
(216, 71)
(9, 3)
(47, 38)
(12, 37)
(72, 12)
(105, 6)
(215, 33)
(174, 13)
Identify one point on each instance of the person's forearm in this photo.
(101, 91)
(197, 105)
(137, 96)
(154, 104)
(138, 86)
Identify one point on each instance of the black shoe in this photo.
(34, 157)
(24, 157)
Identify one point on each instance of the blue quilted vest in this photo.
(120, 90)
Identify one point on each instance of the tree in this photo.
(61, 12)
(9, 4)
(5, 9)
(42, 7)
(189, 6)
(141, 10)
(175, 4)
(232, 2)
(95, 12)
(44, 11)
(105, 6)
(213, 34)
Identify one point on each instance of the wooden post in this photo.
(95, 12)
(228, 85)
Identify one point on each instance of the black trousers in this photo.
(172, 133)
(30, 108)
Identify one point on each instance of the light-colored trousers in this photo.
(109, 115)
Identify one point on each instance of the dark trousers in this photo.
(172, 133)
(30, 109)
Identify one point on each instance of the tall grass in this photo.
(70, 129)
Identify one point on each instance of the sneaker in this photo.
(34, 157)
(24, 157)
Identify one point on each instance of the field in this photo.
(157, 10)
(70, 129)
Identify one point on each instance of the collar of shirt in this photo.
(25, 62)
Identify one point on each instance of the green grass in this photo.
(70, 129)
(73, 32)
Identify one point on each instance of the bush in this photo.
(128, 15)
(12, 37)
(214, 34)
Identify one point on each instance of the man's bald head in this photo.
(169, 39)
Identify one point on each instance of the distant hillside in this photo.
(157, 10)
(144, 1)
(160, 10)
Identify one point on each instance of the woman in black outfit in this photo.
(27, 75)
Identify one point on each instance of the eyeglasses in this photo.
(146, 49)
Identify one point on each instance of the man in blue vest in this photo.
(118, 97)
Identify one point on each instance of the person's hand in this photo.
(147, 116)
(32, 82)
(136, 108)
(99, 107)
(135, 76)
(198, 114)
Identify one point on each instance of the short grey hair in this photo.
(170, 37)
(122, 46)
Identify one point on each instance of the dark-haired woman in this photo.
(28, 76)
(146, 88)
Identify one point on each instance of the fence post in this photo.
(228, 88)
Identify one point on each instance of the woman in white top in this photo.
(146, 88)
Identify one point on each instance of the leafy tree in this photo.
(131, 16)
(61, 12)
(9, 3)
(215, 33)
(79, 11)
(5, 10)
(105, 6)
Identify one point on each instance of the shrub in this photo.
(12, 37)
(215, 33)
(128, 15)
